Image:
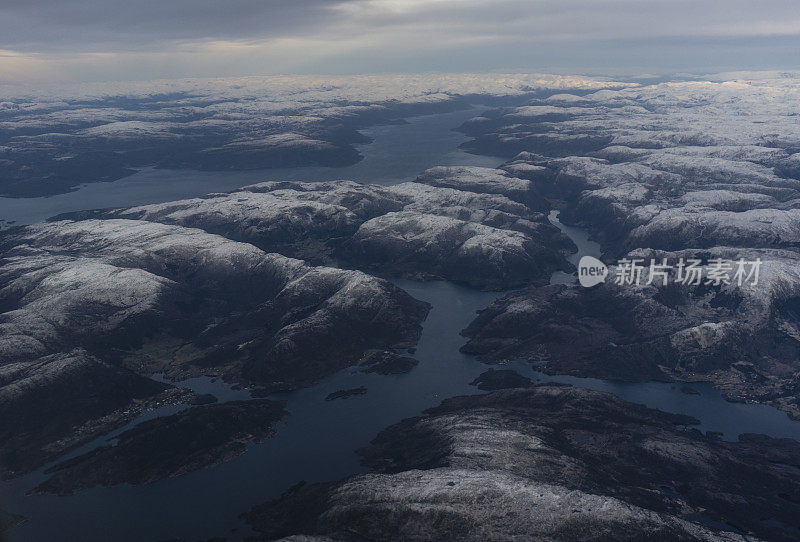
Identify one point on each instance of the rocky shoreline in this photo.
(147, 298)
(209, 286)
(168, 446)
(8, 520)
(465, 224)
(549, 461)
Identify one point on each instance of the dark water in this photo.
(318, 440)
(317, 443)
(398, 153)
(707, 405)
(586, 247)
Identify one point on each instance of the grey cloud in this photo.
(170, 38)
(87, 25)
(36, 25)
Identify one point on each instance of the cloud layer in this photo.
(112, 39)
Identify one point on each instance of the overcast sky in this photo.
(89, 40)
